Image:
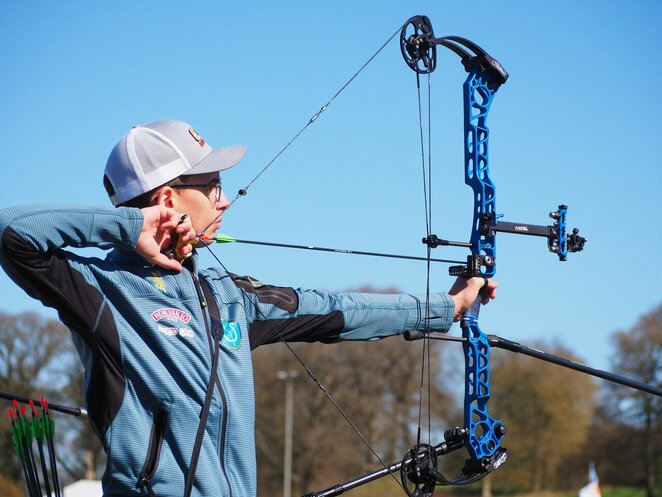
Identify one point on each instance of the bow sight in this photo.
(558, 240)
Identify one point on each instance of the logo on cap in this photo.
(196, 136)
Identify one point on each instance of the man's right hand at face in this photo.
(156, 236)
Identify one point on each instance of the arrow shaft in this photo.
(74, 411)
(346, 251)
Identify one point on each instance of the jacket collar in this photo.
(131, 258)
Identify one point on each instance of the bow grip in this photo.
(470, 316)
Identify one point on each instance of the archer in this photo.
(166, 345)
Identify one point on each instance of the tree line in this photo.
(558, 420)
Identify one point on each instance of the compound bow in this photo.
(481, 434)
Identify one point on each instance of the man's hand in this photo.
(156, 236)
(465, 291)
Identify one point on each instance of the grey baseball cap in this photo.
(150, 155)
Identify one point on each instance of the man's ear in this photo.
(164, 196)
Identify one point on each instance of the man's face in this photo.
(203, 201)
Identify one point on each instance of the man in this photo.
(166, 347)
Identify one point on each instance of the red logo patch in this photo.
(169, 312)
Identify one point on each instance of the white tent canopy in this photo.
(83, 488)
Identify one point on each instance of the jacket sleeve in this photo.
(32, 239)
(299, 315)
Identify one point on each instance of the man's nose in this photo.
(223, 203)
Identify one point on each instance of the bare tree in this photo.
(35, 352)
(80, 438)
(38, 358)
(639, 355)
(547, 410)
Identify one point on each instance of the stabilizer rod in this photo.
(503, 343)
(439, 450)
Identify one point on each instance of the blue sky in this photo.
(576, 123)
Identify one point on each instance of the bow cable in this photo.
(243, 191)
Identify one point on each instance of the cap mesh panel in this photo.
(152, 151)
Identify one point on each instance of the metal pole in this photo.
(288, 377)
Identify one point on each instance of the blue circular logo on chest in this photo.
(231, 335)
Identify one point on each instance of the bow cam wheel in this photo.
(417, 471)
(417, 44)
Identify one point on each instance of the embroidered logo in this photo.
(231, 338)
(169, 312)
(172, 331)
(185, 332)
(158, 281)
(231, 335)
(196, 137)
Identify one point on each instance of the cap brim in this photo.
(218, 159)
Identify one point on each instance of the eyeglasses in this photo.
(210, 187)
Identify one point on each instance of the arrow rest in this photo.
(477, 265)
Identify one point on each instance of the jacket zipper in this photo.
(207, 319)
(153, 451)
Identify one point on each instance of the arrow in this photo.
(229, 239)
(24, 435)
(39, 432)
(18, 443)
(74, 411)
(49, 432)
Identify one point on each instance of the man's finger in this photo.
(165, 262)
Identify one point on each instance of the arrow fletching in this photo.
(217, 238)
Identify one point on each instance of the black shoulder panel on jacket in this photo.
(310, 328)
(282, 297)
(50, 278)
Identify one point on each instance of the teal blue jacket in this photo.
(144, 336)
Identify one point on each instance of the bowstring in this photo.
(427, 323)
(426, 167)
